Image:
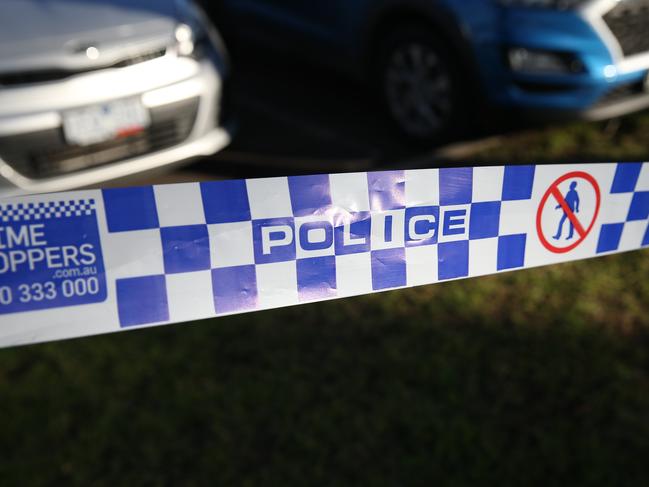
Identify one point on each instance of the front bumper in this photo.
(32, 111)
(611, 83)
(205, 145)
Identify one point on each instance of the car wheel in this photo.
(419, 85)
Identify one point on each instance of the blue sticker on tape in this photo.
(50, 255)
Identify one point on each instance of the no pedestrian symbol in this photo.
(568, 211)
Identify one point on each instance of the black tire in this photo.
(420, 85)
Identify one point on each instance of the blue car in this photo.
(433, 61)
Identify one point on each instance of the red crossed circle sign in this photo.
(582, 228)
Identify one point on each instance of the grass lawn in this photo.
(623, 139)
(537, 377)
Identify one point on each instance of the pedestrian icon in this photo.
(572, 202)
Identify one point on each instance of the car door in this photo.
(310, 26)
(321, 21)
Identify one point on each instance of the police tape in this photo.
(100, 261)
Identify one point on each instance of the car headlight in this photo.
(549, 4)
(185, 40)
(192, 39)
(195, 35)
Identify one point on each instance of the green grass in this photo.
(622, 139)
(537, 377)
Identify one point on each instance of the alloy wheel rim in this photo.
(418, 89)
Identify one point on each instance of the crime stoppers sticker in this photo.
(50, 255)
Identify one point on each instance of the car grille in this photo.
(43, 76)
(46, 154)
(629, 22)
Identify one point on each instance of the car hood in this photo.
(50, 34)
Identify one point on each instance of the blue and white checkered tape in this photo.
(97, 261)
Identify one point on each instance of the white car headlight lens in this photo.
(185, 39)
(196, 37)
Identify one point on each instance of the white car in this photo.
(95, 90)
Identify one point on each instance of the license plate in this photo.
(108, 121)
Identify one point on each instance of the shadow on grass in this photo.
(405, 388)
